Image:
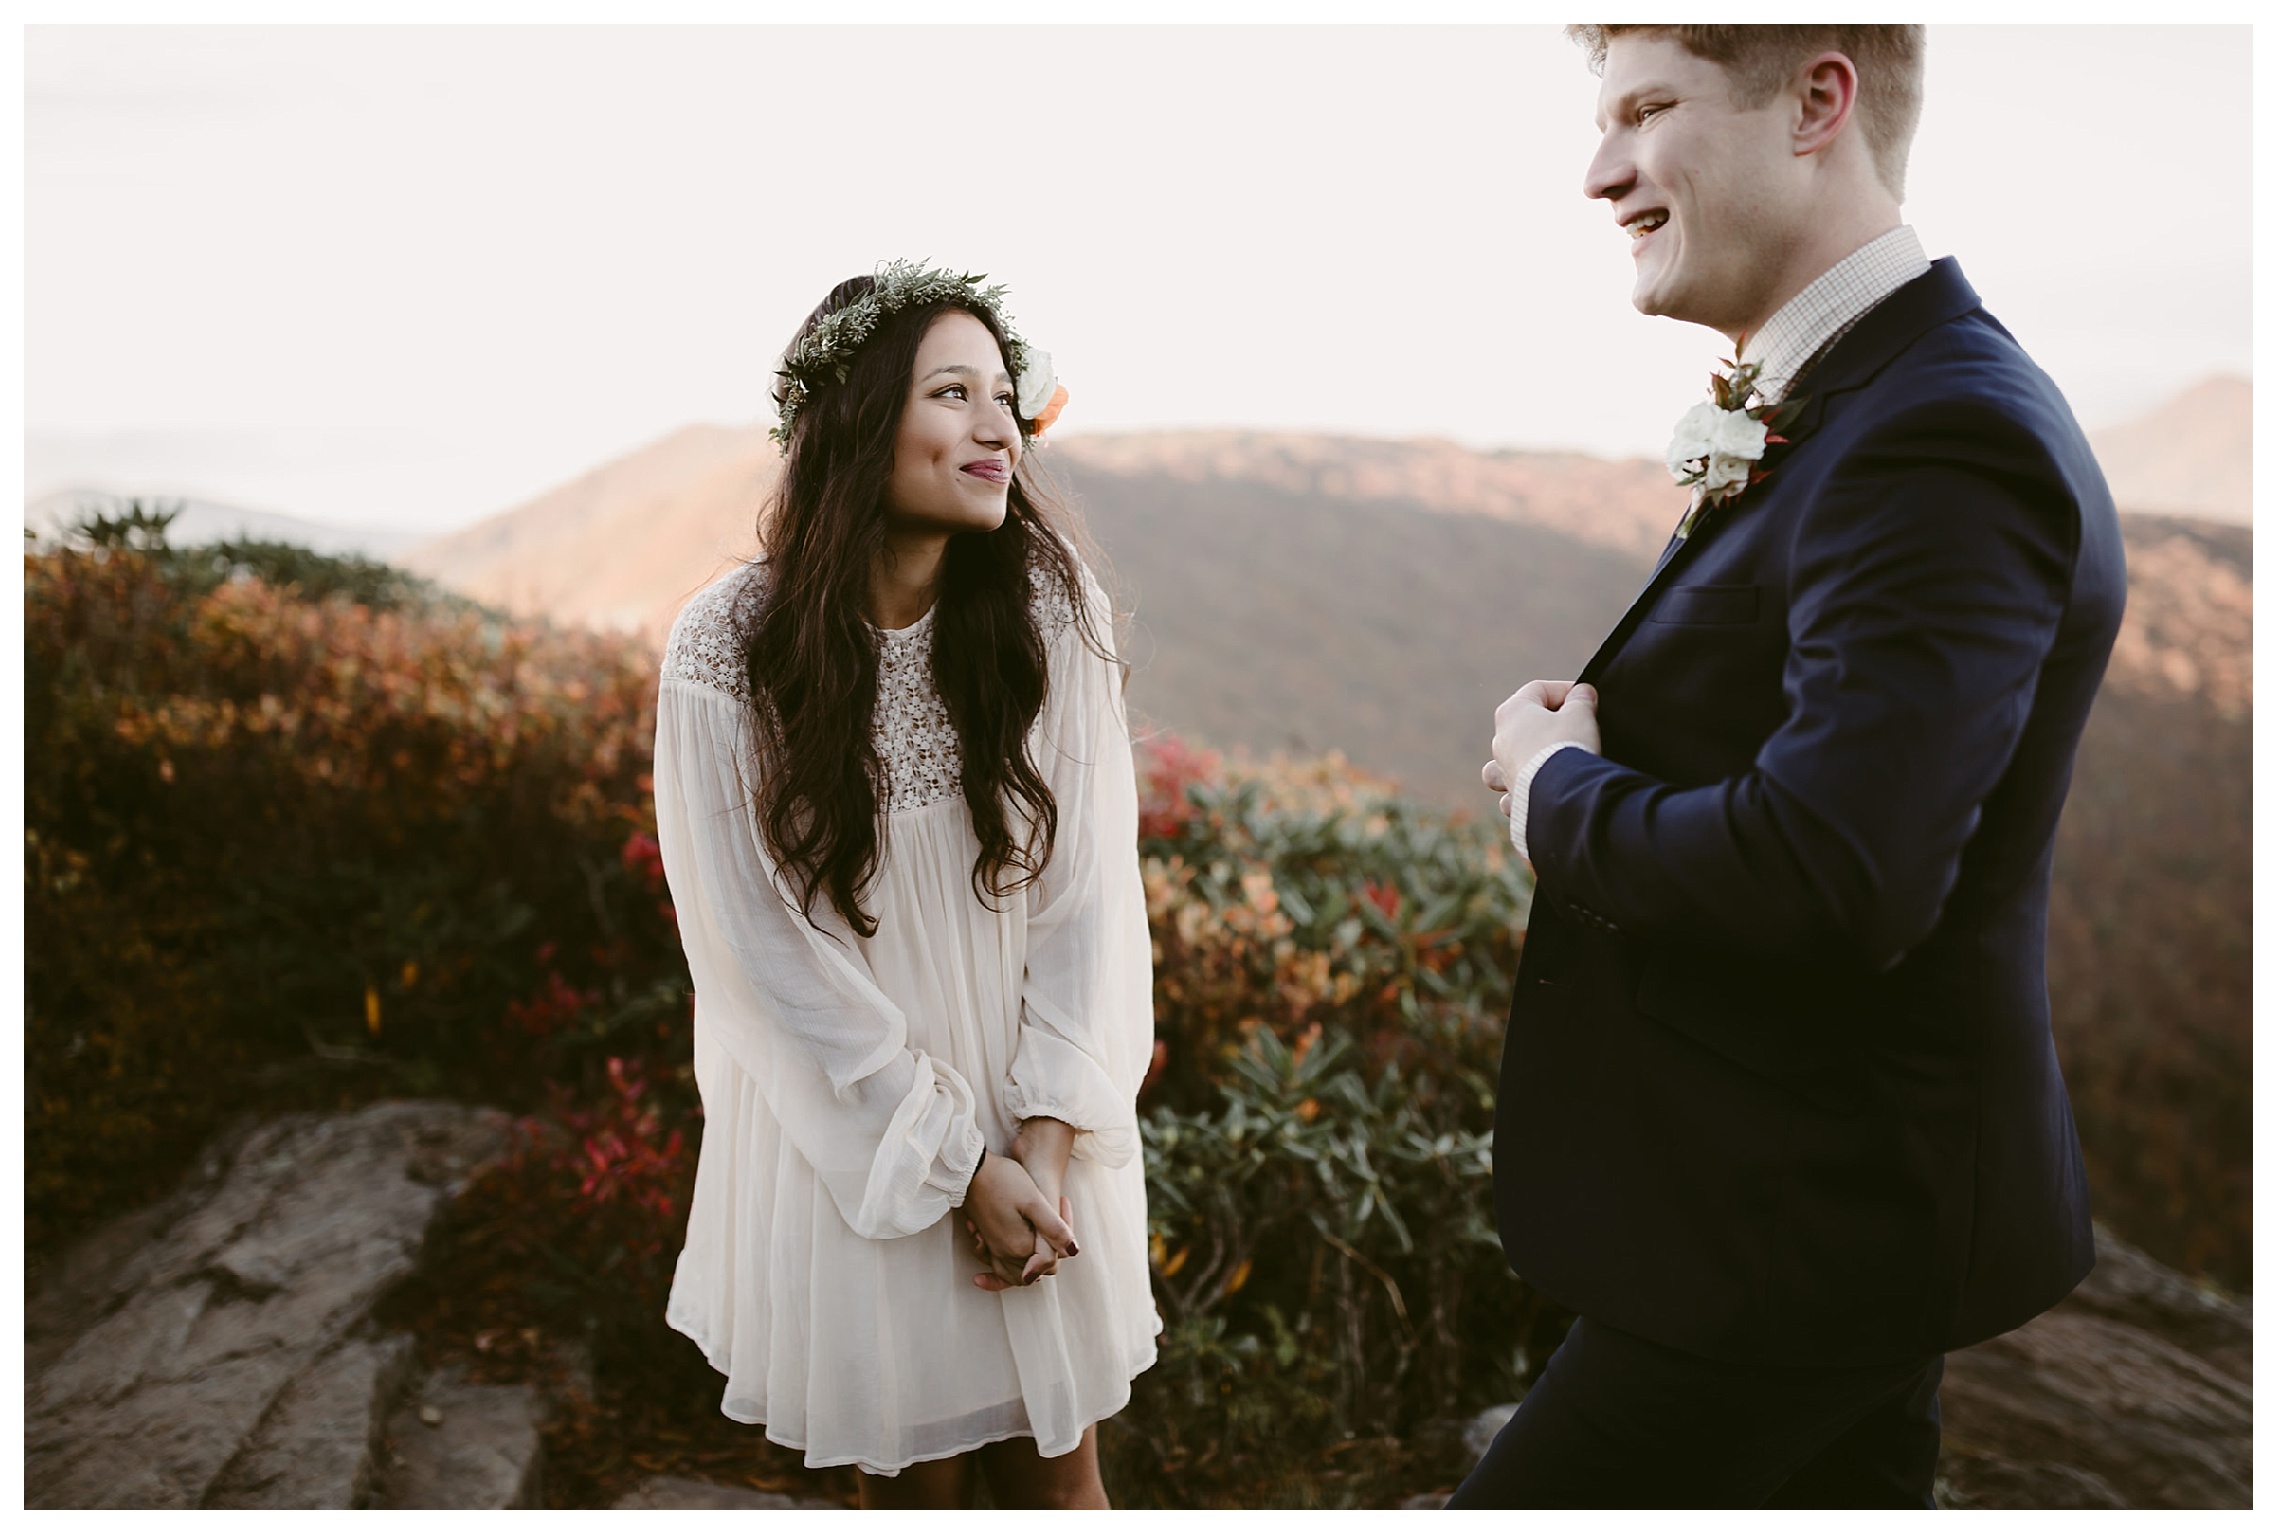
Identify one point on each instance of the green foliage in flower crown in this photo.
(821, 356)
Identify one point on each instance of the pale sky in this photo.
(414, 276)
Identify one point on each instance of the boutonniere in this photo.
(1719, 445)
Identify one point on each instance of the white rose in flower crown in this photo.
(1036, 384)
(1694, 438)
(1737, 435)
(1728, 471)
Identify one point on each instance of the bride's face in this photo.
(959, 440)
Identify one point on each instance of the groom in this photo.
(1780, 1116)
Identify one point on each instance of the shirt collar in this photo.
(1807, 325)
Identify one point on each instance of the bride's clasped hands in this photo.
(1020, 1222)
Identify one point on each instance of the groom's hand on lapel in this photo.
(1538, 715)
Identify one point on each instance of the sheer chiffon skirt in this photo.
(880, 1353)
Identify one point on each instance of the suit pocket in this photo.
(1700, 605)
(1759, 1025)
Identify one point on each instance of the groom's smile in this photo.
(1641, 226)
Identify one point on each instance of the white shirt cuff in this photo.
(1523, 785)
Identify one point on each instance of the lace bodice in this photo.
(910, 729)
(704, 647)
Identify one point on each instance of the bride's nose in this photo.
(996, 426)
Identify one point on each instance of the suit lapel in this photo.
(1937, 296)
(1679, 553)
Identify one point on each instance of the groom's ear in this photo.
(1824, 94)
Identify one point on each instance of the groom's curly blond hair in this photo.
(1760, 61)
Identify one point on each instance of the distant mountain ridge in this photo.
(1626, 504)
(623, 545)
(2192, 456)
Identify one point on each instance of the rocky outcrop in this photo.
(215, 1350)
(2135, 1392)
(314, 1447)
(456, 1444)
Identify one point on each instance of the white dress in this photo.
(849, 1083)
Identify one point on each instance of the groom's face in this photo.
(1704, 189)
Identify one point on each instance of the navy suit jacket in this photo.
(1779, 1084)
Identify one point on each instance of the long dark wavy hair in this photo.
(812, 658)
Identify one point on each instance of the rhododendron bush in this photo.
(285, 846)
(301, 832)
(1331, 966)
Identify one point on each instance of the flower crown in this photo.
(820, 357)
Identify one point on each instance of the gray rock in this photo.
(161, 1445)
(2129, 1286)
(1986, 1481)
(313, 1306)
(262, 1164)
(454, 1444)
(158, 1347)
(2135, 1392)
(676, 1493)
(66, 1294)
(112, 1357)
(317, 1446)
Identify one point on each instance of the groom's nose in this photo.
(1610, 172)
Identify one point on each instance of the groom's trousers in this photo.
(1617, 1421)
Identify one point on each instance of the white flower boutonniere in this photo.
(1720, 442)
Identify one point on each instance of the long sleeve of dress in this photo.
(1086, 1014)
(891, 1132)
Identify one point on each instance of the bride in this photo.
(895, 798)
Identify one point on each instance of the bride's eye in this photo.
(1006, 401)
(950, 391)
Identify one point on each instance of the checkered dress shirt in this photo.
(1807, 325)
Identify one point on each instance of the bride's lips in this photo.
(994, 470)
